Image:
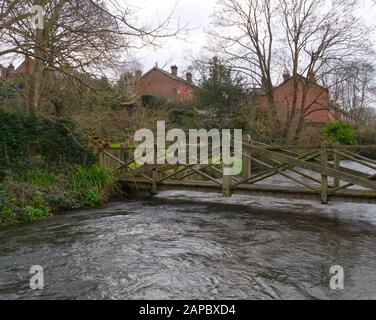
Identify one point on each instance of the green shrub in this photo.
(185, 119)
(8, 206)
(22, 209)
(40, 177)
(91, 186)
(239, 123)
(55, 141)
(177, 115)
(150, 100)
(32, 214)
(38, 209)
(339, 131)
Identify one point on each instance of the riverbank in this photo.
(47, 165)
(36, 194)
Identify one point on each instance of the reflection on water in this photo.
(185, 249)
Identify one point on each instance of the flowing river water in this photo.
(183, 245)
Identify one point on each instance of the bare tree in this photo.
(352, 91)
(320, 35)
(243, 32)
(7, 19)
(79, 37)
(311, 34)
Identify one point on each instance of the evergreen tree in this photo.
(221, 90)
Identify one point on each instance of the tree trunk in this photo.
(34, 84)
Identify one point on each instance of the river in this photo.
(182, 245)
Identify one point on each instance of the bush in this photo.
(149, 100)
(185, 119)
(91, 186)
(239, 123)
(177, 115)
(22, 206)
(39, 177)
(28, 190)
(37, 194)
(56, 142)
(37, 210)
(339, 131)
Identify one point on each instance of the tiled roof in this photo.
(168, 75)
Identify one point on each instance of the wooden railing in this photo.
(311, 170)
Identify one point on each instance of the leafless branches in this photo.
(310, 38)
(79, 37)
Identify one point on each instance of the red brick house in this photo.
(7, 73)
(24, 69)
(164, 84)
(316, 101)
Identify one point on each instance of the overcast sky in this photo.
(195, 12)
(198, 14)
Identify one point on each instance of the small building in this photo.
(7, 73)
(24, 69)
(167, 85)
(317, 103)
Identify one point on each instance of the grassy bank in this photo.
(40, 193)
(47, 165)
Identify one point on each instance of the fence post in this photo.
(247, 160)
(155, 177)
(337, 163)
(123, 153)
(226, 184)
(101, 156)
(324, 174)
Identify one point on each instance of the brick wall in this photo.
(317, 98)
(26, 67)
(157, 83)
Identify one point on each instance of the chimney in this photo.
(138, 74)
(286, 75)
(11, 71)
(174, 71)
(189, 77)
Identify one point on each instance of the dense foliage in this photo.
(55, 142)
(46, 165)
(220, 90)
(35, 194)
(150, 100)
(340, 131)
(185, 119)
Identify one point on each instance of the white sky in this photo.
(198, 14)
(195, 12)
